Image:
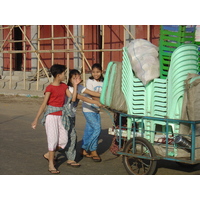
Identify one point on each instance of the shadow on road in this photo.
(104, 143)
(178, 166)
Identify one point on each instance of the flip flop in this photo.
(54, 171)
(85, 154)
(73, 164)
(96, 160)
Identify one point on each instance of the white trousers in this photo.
(56, 133)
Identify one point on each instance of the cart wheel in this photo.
(138, 166)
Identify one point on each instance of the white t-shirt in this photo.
(73, 105)
(92, 85)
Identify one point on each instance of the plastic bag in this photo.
(144, 60)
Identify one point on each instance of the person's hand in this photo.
(99, 104)
(34, 124)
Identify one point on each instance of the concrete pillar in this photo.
(128, 37)
(77, 55)
(34, 36)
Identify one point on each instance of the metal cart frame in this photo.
(144, 161)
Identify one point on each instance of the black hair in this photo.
(57, 69)
(72, 73)
(98, 66)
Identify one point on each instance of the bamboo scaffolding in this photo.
(38, 62)
(35, 53)
(7, 38)
(83, 46)
(124, 37)
(79, 47)
(59, 38)
(10, 82)
(12, 40)
(102, 54)
(38, 51)
(52, 44)
(148, 32)
(60, 51)
(8, 27)
(67, 56)
(24, 63)
(51, 38)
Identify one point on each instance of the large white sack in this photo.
(144, 60)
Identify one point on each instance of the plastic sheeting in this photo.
(112, 95)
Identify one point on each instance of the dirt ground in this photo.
(22, 148)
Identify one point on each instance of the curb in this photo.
(25, 93)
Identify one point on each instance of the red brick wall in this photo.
(141, 33)
(113, 39)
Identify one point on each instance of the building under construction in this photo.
(28, 51)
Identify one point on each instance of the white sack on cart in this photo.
(144, 60)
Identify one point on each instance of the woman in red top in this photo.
(57, 135)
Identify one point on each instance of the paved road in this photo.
(21, 148)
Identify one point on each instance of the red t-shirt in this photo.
(57, 96)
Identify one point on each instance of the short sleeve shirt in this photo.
(73, 105)
(95, 86)
(57, 96)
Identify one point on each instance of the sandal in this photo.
(96, 158)
(85, 154)
(73, 164)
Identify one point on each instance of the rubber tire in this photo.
(152, 163)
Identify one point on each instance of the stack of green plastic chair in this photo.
(149, 100)
(159, 102)
(171, 37)
(137, 96)
(161, 97)
(127, 79)
(184, 60)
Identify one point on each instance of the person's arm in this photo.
(96, 98)
(92, 93)
(88, 100)
(41, 109)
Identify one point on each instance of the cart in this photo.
(158, 103)
(140, 155)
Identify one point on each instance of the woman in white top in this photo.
(92, 116)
